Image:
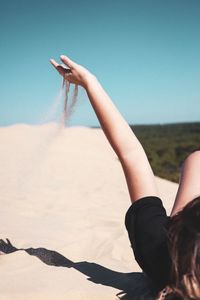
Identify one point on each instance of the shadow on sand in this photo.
(133, 286)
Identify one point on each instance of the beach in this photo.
(63, 202)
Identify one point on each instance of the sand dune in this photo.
(63, 201)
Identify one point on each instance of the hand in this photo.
(7, 247)
(75, 74)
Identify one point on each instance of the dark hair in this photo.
(184, 248)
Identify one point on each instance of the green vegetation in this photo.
(168, 145)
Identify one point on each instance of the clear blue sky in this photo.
(146, 53)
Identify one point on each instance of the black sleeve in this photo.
(146, 222)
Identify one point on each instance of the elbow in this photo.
(132, 154)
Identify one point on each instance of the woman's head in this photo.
(184, 246)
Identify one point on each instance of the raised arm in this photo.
(137, 170)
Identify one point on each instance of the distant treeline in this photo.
(168, 145)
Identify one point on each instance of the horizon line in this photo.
(98, 126)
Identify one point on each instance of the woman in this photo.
(166, 248)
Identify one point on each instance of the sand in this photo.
(63, 200)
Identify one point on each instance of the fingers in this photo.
(54, 63)
(67, 61)
(61, 69)
(8, 242)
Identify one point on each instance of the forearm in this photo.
(116, 129)
(137, 170)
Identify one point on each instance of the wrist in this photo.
(89, 81)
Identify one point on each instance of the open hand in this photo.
(7, 247)
(74, 73)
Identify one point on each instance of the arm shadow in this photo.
(133, 286)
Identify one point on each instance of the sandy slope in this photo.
(63, 199)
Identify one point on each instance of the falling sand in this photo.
(68, 107)
(62, 107)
